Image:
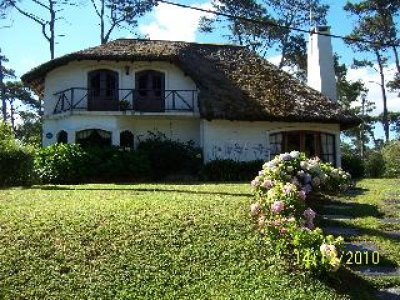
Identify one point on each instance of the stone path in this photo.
(336, 217)
(376, 270)
(390, 221)
(344, 231)
(389, 294)
(365, 270)
(393, 234)
(360, 246)
(338, 206)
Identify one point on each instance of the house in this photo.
(228, 100)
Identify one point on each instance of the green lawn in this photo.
(150, 242)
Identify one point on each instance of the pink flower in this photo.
(310, 224)
(282, 230)
(267, 184)
(302, 195)
(309, 214)
(287, 189)
(261, 222)
(255, 183)
(295, 181)
(255, 209)
(275, 223)
(277, 207)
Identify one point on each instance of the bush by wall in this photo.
(16, 161)
(230, 170)
(391, 157)
(69, 164)
(61, 163)
(170, 157)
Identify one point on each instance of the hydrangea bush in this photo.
(282, 216)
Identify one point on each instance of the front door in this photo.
(103, 90)
(150, 91)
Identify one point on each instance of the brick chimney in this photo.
(320, 70)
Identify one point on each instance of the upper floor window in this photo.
(150, 90)
(312, 143)
(103, 90)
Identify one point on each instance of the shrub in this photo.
(170, 157)
(282, 216)
(353, 164)
(61, 163)
(230, 170)
(374, 165)
(16, 167)
(113, 164)
(391, 157)
(68, 164)
(16, 161)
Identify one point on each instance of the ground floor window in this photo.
(126, 139)
(62, 137)
(93, 137)
(312, 143)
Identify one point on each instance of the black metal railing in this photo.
(142, 100)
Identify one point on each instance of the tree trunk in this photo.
(396, 58)
(3, 93)
(385, 119)
(12, 115)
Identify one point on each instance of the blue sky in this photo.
(25, 47)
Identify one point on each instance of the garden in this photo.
(296, 229)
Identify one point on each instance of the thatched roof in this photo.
(234, 82)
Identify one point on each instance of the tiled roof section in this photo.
(234, 82)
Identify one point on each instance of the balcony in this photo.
(152, 101)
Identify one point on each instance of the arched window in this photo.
(312, 143)
(150, 91)
(62, 137)
(126, 139)
(103, 90)
(93, 137)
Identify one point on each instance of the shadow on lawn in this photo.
(144, 190)
(348, 283)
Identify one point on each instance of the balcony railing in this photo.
(84, 99)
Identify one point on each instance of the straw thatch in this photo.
(234, 82)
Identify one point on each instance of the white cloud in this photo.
(371, 79)
(174, 23)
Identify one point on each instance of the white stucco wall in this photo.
(180, 129)
(75, 74)
(250, 140)
(219, 139)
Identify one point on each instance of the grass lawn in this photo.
(155, 242)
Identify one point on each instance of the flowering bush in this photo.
(281, 213)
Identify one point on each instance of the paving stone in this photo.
(360, 246)
(393, 234)
(337, 206)
(392, 201)
(340, 231)
(389, 294)
(375, 270)
(390, 221)
(336, 217)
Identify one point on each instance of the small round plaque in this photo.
(49, 135)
